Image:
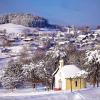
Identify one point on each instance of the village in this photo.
(49, 49)
(46, 60)
(15, 39)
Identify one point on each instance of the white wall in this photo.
(63, 80)
(63, 84)
(57, 78)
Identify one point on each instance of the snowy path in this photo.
(90, 94)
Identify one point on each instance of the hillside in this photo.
(13, 28)
(24, 19)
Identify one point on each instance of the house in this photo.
(69, 77)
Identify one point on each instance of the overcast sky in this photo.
(78, 12)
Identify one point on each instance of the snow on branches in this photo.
(34, 69)
(93, 66)
(93, 56)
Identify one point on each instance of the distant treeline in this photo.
(24, 19)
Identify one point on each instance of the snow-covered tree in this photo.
(38, 55)
(25, 54)
(11, 82)
(93, 68)
(5, 40)
(34, 72)
(58, 52)
(13, 77)
(2, 72)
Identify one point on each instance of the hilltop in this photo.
(28, 20)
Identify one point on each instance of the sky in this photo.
(63, 12)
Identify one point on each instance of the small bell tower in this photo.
(61, 63)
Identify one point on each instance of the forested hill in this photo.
(28, 20)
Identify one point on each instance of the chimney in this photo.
(61, 63)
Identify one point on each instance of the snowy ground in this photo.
(13, 28)
(88, 94)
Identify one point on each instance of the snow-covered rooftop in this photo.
(70, 71)
(80, 37)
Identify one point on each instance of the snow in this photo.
(16, 49)
(13, 28)
(56, 52)
(93, 55)
(70, 71)
(36, 67)
(1, 72)
(97, 31)
(86, 94)
(3, 55)
(62, 42)
(80, 37)
(3, 61)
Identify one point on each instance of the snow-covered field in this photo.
(13, 28)
(88, 94)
